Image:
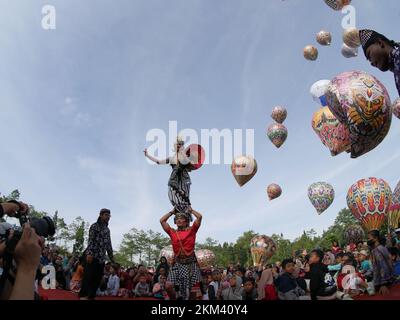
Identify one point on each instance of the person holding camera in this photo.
(26, 255)
(99, 244)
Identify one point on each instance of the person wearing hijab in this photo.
(265, 287)
(234, 291)
(381, 52)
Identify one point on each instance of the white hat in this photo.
(397, 230)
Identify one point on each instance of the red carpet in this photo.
(68, 295)
(393, 295)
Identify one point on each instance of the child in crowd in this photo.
(142, 288)
(287, 285)
(113, 283)
(249, 290)
(159, 291)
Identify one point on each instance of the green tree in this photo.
(242, 248)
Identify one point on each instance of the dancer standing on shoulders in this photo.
(179, 181)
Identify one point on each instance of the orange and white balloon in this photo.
(243, 169)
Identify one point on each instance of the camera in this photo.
(44, 227)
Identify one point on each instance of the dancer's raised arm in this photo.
(165, 161)
(198, 216)
(164, 220)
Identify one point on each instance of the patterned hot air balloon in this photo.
(243, 169)
(337, 4)
(168, 253)
(274, 191)
(310, 53)
(318, 91)
(277, 133)
(205, 258)
(394, 209)
(369, 201)
(333, 134)
(351, 37)
(324, 38)
(348, 52)
(262, 248)
(279, 114)
(321, 195)
(354, 234)
(362, 103)
(396, 108)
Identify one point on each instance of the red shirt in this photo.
(187, 238)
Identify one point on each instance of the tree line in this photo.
(144, 247)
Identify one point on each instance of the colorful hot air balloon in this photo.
(354, 234)
(324, 38)
(243, 169)
(396, 194)
(333, 134)
(348, 52)
(321, 195)
(351, 37)
(369, 201)
(396, 108)
(394, 209)
(362, 103)
(205, 258)
(196, 156)
(277, 133)
(310, 53)
(337, 4)
(318, 91)
(168, 253)
(274, 191)
(262, 248)
(279, 114)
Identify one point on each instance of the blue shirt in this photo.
(365, 265)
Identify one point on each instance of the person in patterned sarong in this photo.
(179, 181)
(185, 271)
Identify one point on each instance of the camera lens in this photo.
(44, 227)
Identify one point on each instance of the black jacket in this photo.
(317, 280)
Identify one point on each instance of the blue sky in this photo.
(77, 102)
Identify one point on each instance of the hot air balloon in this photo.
(168, 253)
(277, 133)
(262, 248)
(279, 114)
(324, 38)
(354, 234)
(196, 156)
(310, 53)
(205, 258)
(362, 103)
(333, 134)
(394, 209)
(274, 191)
(351, 37)
(321, 195)
(348, 52)
(243, 169)
(396, 194)
(337, 4)
(318, 91)
(369, 201)
(396, 108)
